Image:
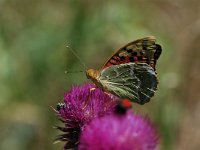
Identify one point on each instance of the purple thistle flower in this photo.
(81, 105)
(128, 132)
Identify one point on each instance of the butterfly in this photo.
(130, 72)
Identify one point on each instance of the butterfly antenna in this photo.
(66, 72)
(75, 54)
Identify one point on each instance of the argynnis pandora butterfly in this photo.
(130, 72)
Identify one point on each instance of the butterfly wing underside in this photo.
(143, 50)
(135, 81)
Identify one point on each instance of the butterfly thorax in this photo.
(94, 76)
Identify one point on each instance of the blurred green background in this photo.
(33, 58)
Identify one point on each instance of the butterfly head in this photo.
(92, 74)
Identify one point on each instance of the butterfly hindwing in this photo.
(135, 81)
(143, 50)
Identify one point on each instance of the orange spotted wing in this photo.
(143, 50)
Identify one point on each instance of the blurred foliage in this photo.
(34, 57)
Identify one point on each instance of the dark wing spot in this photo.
(134, 53)
(129, 50)
(140, 58)
(122, 57)
(141, 53)
(144, 47)
(131, 59)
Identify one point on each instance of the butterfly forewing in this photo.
(136, 82)
(143, 50)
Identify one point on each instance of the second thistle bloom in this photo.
(119, 132)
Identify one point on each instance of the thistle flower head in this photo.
(81, 105)
(117, 132)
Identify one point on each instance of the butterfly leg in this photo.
(88, 98)
(106, 93)
(92, 89)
